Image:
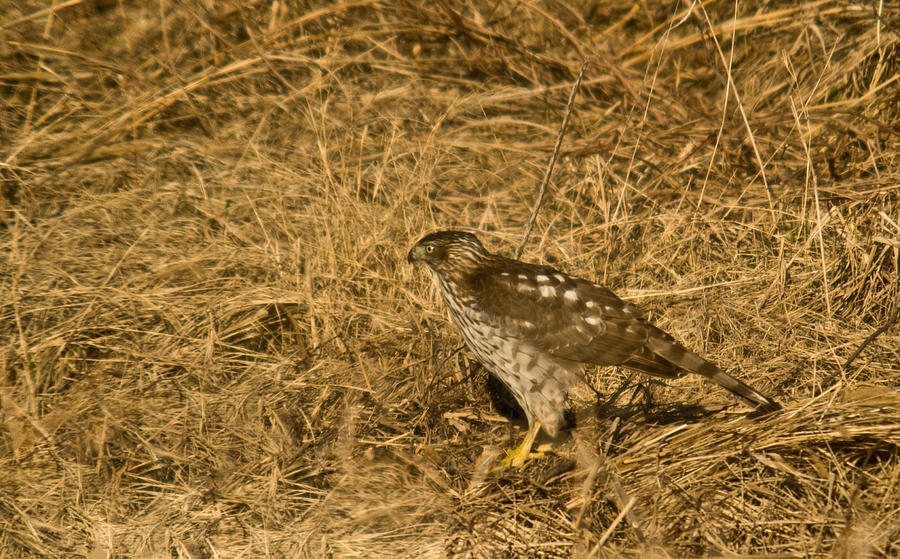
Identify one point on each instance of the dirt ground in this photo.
(213, 346)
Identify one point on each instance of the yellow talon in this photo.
(517, 457)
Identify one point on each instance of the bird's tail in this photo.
(666, 347)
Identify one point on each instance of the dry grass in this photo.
(213, 346)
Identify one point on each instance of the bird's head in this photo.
(447, 252)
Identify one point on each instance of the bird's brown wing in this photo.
(577, 320)
(567, 317)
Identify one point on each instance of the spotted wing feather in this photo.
(570, 318)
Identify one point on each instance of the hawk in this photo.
(534, 328)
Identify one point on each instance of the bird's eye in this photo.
(429, 249)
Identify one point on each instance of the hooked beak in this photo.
(414, 255)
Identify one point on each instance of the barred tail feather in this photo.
(666, 347)
(764, 403)
(652, 364)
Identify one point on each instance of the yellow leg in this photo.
(517, 457)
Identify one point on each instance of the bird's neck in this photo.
(454, 287)
(449, 284)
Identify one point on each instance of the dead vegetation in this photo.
(213, 346)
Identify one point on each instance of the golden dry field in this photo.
(213, 346)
